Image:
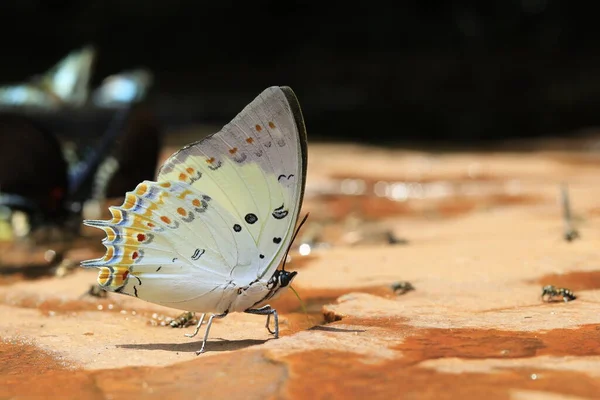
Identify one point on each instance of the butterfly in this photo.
(208, 236)
(65, 84)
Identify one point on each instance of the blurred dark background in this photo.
(442, 71)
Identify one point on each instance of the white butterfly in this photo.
(209, 235)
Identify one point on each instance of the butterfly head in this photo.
(281, 279)
(284, 278)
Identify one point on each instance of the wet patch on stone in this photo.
(576, 280)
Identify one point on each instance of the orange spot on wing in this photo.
(120, 276)
(141, 237)
(150, 224)
(233, 151)
(141, 189)
(190, 170)
(196, 203)
(181, 211)
(182, 176)
(136, 221)
(250, 140)
(166, 220)
(161, 198)
(271, 125)
(109, 253)
(130, 201)
(258, 128)
(166, 184)
(103, 276)
(150, 209)
(134, 255)
(184, 193)
(210, 160)
(117, 215)
(110, 234)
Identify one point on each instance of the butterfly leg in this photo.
(268, 311)
(208, 325)
(198, 326)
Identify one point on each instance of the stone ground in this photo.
(476, 233)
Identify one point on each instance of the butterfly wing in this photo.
(255, 167)
(221, 215)
(69, 79)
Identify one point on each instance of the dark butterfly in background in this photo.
(33, 171)
(61, 146)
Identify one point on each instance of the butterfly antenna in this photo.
(292, 241)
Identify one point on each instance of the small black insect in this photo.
(549, 292)
(402, 287)
(186, 319)
(393, 239)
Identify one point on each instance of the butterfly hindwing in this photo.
(167, 244)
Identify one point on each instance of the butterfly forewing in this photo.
(255, 168)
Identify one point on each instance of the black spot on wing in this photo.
(284, 177)
(197, 254)
(241, 158)
(189, 218)
(237, 228)
(280, 213)
(251, 218)
(215, 166)
(276, 240)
